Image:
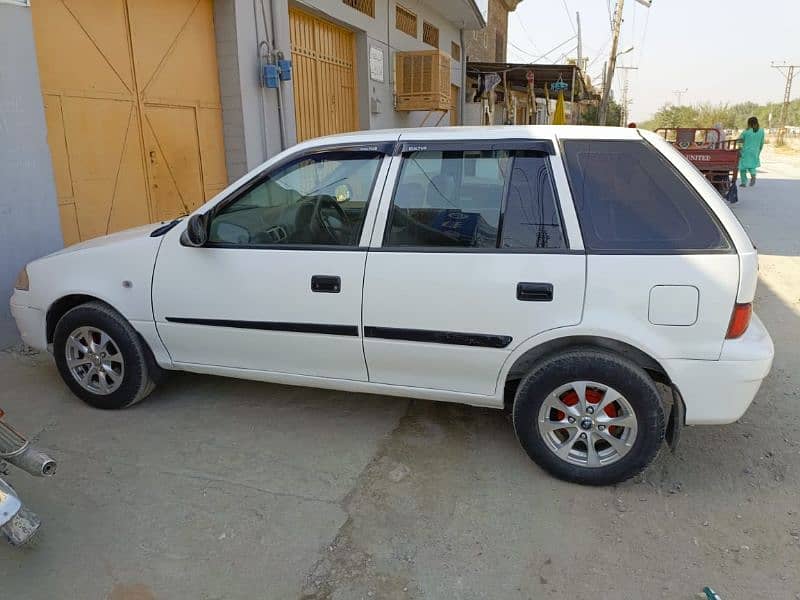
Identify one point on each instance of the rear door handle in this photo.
(330, 284)
(534, 292)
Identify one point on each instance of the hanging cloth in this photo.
(559, 116)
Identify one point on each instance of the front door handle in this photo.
(330, 284)
(534, 292)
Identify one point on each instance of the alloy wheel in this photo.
(588, 424)
(94, 360)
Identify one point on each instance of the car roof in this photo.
(537, 132)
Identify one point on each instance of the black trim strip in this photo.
(323, 328)
(286, 247)
(531, 144)
(469, 250)
(164, 228)
(456, 338)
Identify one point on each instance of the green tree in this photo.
(613, 116)
(728, 115)
(670, 115)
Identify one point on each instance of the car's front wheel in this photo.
(101, 358)
(589, 416)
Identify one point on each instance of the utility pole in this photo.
(679, 94)
(788, 73)
(580, 42)
(625, 99)
(612, 61)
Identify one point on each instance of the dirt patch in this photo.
(135, 591)
(396, 507)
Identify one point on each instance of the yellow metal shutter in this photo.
(324, 76)
(131, 98)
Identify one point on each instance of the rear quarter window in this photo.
(631, 199)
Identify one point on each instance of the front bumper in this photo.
(30, 321)
(719, 392)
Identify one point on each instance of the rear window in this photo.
(629, 198)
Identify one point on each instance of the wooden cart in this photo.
(716, 158)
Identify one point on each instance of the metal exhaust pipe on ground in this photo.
(16, 450)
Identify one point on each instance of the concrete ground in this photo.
(224, 489)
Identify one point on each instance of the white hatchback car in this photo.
(559, 271)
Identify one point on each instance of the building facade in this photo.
(489, 43)
(125, 112)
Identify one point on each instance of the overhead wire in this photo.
(525, 31)
(522, 50)
(569, 39)
(644, 34)
(569, 17)
(599, 53)
(565, 54)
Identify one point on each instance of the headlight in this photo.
(22, 282)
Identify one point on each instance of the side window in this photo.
(460, 199)
(448, 198)
(532, 218)
(629, 198)
(321, 199)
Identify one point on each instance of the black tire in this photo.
(138, 379)
(605, 368)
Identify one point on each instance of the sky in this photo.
(717, 50)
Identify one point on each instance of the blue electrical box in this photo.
(269, 75)
(285, 68)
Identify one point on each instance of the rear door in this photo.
(469, 258)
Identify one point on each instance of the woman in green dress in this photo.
(750, 156)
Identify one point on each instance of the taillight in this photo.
(740, 320)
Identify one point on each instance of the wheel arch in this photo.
(526, 361)
(62, 305)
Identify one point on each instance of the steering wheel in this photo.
(329, 217)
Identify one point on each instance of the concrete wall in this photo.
(29, 220)
(250, 113)
(251, 127)
(380, 32)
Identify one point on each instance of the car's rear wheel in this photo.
(101, 358)
(589, 416)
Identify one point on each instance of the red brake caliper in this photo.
(593, 396)
(570, 399)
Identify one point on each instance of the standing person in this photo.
(750, 155)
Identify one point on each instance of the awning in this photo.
(543, 75)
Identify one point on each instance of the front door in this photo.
(473, 261)
(278, 287)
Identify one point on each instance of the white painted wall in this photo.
(29, 220)
(250, 113)
(380, 32)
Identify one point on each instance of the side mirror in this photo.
(196, 233)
